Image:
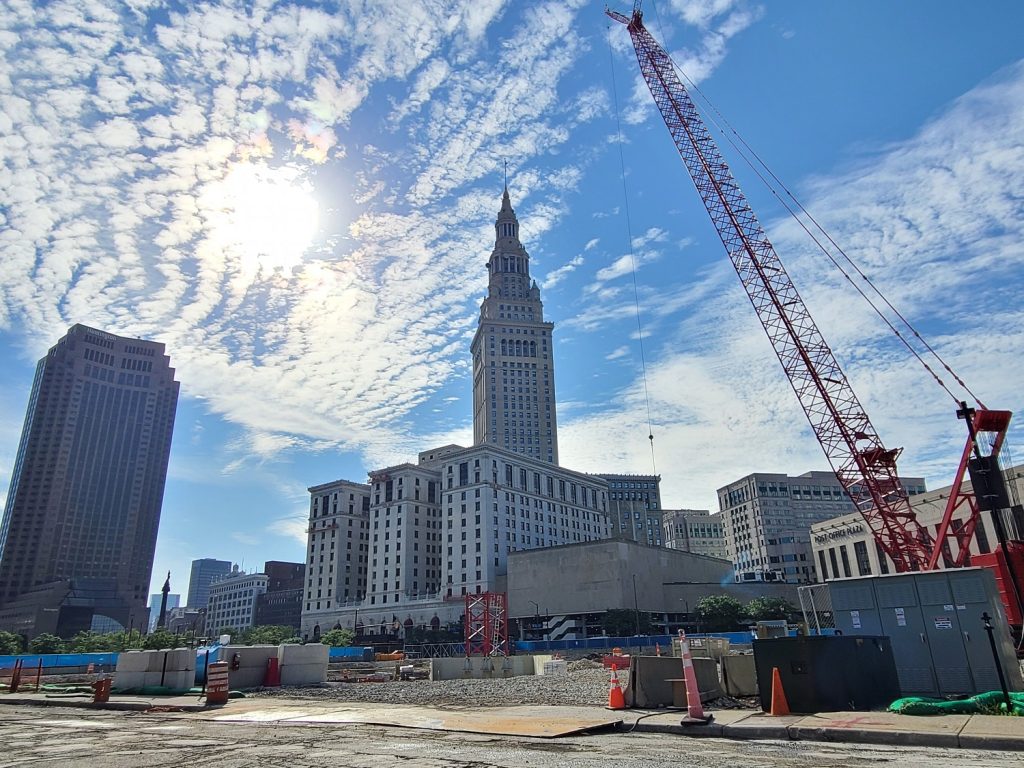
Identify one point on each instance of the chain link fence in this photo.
(816, 606)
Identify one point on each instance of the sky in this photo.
(298, 199)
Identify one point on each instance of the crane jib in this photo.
(865, 468)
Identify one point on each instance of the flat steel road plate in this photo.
(540, 721)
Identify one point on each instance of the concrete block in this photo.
(739, 675)
(304, 674)
(181, 680)
(132, 661)
(650, 676)
(127, 680)
(539, 661)
(311, 653)
(252, 664)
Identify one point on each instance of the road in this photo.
(59, 737)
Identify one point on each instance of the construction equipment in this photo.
(863, 465)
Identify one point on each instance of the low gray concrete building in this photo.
(562, 592)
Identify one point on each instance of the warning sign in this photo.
(943, 622)
(855, 619)
(901, 617)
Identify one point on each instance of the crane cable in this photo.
(742, 152)
(831, 256)
(632, 258)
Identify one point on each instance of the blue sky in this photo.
(298, 200)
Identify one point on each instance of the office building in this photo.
(281, 604)
(232, 602)
(87, 486)
(512, 352)
(768, 519)
(844, 546)
(634, 507)
(204, 572)
(695, 530)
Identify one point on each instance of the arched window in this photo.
(533, 349)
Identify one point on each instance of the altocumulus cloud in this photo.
(125, 128)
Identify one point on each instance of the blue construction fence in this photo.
(31, 661)
(604, 643)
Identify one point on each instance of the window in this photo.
(860, 552)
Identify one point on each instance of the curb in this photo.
(838, 735)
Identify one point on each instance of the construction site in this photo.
(926, 650)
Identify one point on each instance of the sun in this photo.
(268, 216)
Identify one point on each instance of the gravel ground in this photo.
(585, 685)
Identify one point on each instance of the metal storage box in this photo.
(828, 673)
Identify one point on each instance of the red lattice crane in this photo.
(864, 466)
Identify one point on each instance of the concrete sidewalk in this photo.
(967, 731)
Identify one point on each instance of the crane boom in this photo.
(864, 466)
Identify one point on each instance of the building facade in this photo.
(336, 549)
(768, 517)
(844, 547)
(444, 528)
(281, 604)
(512, 352)
(695, 530)
(232, 602)
(204, 572)
(173, 601)
(88, 482)
(634, 507)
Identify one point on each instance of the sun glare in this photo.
(269, 215)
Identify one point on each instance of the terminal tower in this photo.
(513, 367)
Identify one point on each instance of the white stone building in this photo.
(232, 601)
(336, 546)
(444, 527)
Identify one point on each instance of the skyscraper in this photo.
(513, 366)
(84, 502)
(204, 572)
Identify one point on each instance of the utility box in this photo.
(828, 673)
(933, 619)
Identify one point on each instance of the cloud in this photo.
(938, 221)
(555, 276)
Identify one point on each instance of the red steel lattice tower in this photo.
(863, 465)
(487, 624)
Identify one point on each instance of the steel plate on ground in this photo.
(539, 721)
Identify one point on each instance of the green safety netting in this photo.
(991, 703)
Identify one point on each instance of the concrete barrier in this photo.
(649, 677)
(146, 669)
(252, 664)
(303, 664)
(481, 667)
(739, 676)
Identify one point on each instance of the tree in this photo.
(10, 644)
(161, 639)
(622, 622)
(270, 634)
(46, 643)
(338, 638)
(768, 608)
(720, 613)
(93, 642)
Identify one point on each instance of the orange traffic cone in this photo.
(615, 698)
(780, 706)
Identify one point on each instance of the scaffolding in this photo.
(487, 624)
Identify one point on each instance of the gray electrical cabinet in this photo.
(934, 621)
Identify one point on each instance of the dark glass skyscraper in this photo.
(84, 502)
